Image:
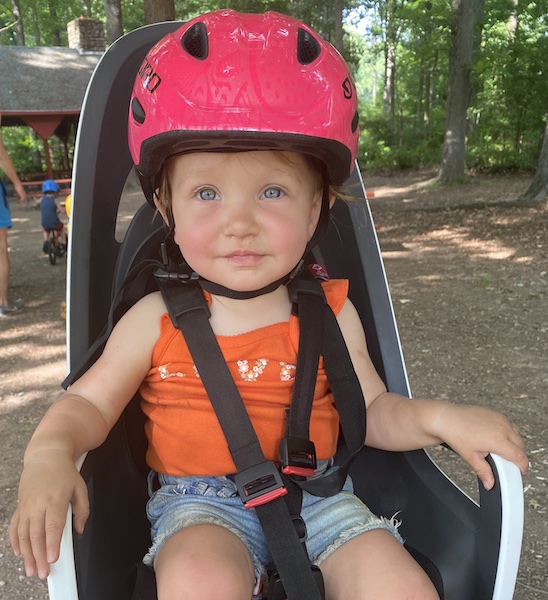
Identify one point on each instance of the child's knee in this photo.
(375, 565)
(204, 564)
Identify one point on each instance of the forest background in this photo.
(456, 84)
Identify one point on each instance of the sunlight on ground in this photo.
(40, 356)
(49, 332)
(38, 379)
(481, 248)
(457, 239)
(384, 191)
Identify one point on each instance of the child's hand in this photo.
(49, 482)
(474, 432)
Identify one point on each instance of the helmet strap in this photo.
(220, 290)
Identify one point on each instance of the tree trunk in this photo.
(159, 10)
(19, 29)
(56, 32)
(113, 12)
(538, 190)
(389, 92)
(391, 43)
(338, 9)
(460, 70)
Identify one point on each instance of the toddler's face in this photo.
(243, 219)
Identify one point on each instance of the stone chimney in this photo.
(86, 35)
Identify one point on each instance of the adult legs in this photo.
(375, 566)
(204, 561)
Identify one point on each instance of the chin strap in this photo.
(221, 290)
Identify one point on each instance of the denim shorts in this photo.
(184, 501)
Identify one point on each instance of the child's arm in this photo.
(79, 421)
(398, 423)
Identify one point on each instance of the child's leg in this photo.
(375, 566)
(204, 561)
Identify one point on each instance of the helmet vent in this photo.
(137, 111)
(355, 122)
(308, 48)
(194, 41)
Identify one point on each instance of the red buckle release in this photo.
(298, 471)
(297, 457)
(260, 484)
(267, 497)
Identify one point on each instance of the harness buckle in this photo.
(259, 484)
(297, 457)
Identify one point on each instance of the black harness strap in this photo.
(350, 405)
(309, 297)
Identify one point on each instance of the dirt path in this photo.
(469, 282)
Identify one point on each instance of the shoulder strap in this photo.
(309, 298)
(319, 330)
(350, 405)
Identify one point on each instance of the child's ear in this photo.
(161, 209)
(316, 210)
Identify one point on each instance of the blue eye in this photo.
(272, 192)
(207, 194)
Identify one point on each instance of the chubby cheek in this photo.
(289, 239)
(192, 242)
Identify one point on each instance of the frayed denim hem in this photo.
(390, 525)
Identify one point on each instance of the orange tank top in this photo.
(184, 435)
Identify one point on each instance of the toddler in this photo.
(241, 127)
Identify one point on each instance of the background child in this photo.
(242, 168)
(49, 212)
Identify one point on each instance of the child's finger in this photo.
(483, 470)
(12, 532)
(36, 562)
(80, 507)
(21, 541)
(54, 525)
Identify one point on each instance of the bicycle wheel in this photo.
(52, 250)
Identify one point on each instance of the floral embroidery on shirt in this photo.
(166, 374)
(248, 373)
(287, 371)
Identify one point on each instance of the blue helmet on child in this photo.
(50, 186)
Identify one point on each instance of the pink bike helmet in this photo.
(227, 81)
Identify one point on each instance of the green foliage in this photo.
(507, 105)
(511, 75)
(25, 149)
(412, 148)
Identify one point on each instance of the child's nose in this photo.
(241, 218)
